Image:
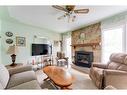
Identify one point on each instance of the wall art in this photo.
(20, 41)
(9, 41)
(9, 34)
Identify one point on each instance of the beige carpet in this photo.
(81, 80)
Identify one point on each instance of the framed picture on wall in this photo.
(20, 41)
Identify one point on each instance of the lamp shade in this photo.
(12, 50)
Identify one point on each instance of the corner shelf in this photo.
(93, 45)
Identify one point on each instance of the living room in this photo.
(80, 46)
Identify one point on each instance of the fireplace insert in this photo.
(83, 58)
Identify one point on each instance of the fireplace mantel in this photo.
(93, 45)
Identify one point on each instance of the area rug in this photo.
(81, 81)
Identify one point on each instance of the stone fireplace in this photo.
(83, 58)
(87, 39)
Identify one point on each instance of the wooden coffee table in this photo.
(59, 76)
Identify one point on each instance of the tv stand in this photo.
(44, 60)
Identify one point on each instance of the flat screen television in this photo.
(41, 49)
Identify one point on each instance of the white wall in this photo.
(19, 29)
(116, 20)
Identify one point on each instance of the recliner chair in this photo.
(113, 73)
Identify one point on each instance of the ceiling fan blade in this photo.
(81, 11)
(59, 8)
(62, 16)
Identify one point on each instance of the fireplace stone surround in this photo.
(83, 58)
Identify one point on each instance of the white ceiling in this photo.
(46, 16)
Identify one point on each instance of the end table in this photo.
(18, 64)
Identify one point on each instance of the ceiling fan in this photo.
(70, 11)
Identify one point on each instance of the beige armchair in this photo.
(113, 73)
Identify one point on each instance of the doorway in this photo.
(68, 50)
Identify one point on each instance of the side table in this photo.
(18, 65)
(62, 62)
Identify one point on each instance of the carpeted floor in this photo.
(81, 80)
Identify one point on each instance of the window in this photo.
(112, 42)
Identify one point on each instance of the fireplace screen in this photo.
(83, 58)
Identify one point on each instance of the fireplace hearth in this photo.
(83, 58)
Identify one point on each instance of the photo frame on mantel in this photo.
(20, 41)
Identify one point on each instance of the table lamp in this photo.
(13, 51)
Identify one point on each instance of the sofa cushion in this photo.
(28, 85)
(122, 67)
(113, 65)
(118, 57)
(4, 76)
(20, 78)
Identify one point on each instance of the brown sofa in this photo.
(113, 73)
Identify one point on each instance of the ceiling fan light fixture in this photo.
(59, 18)
(70, 11)
(73, 19)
